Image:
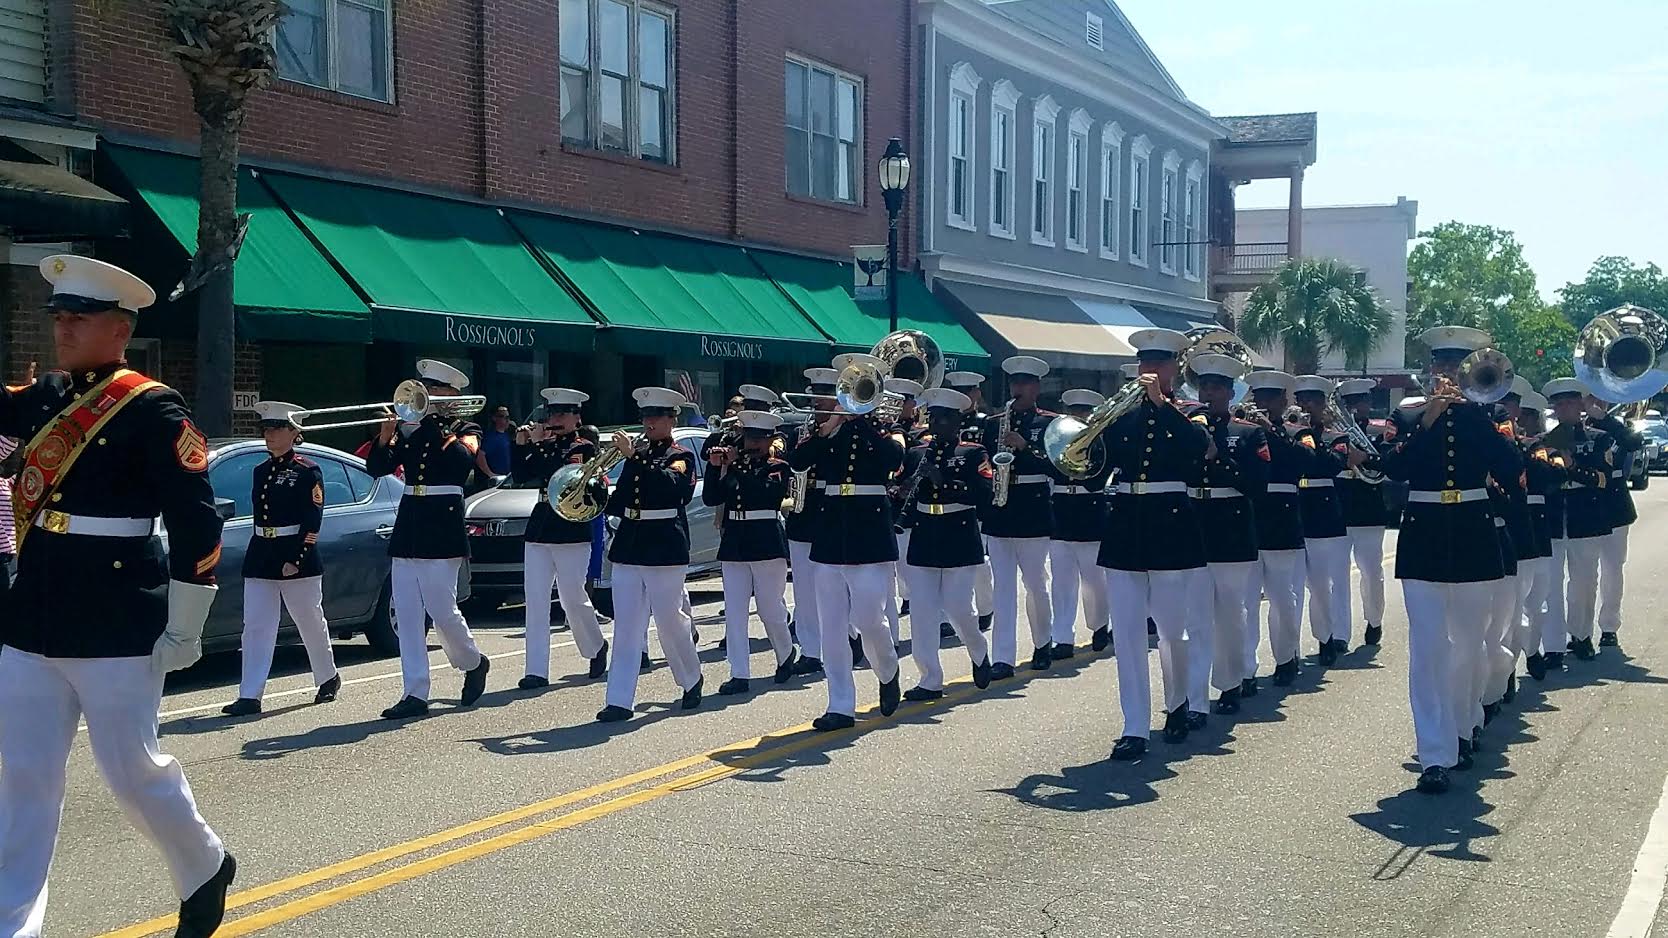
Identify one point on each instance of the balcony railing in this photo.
(1248, 259)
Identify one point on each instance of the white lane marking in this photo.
(1650, 875)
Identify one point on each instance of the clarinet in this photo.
(912, 486)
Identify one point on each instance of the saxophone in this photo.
(1003, 477)
(801, 482)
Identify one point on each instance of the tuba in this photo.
(1214, 340)
(1071, 443)
(573, 490)
(1622, 354)
(911, 354)
(1485, 377)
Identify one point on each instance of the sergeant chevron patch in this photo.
(190, 448)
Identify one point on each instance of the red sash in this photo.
(52, 452)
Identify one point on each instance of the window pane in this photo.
(823, 158)
(822, 102)
(301, 43)
(848, 111)
(362, 51)
(576, 124)
(613, 113)
(575, 27)
(614, 36)
(1108, 224)
(652, 48)
(1039, 208)
(796, 95)
(999, 201)
(651, 119)
(798, 153)
(363, 483)
(337, 489)
(232, 478)
(1002, 140)
(958, 187)
(845, 188)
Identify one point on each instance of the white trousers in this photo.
(1012, 558)
(1220, 621)
(41, 701)
(1501, 641)
(1583, 557)
(1278, 576)
(765, 582)
(430, 586)
(1328, 576)
(984, 590)
(1445, 623)
(848, 596)
(639, 593)
(1071, 567)
(1612, 558)
(1135, 597)
(1367, 545)
(903, 558)
(1547, 612)
(806, 622)
(941, 594)
(262, 602)
(562, 566)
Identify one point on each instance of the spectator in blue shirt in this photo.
(496, 442)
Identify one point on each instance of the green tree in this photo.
(1611, 282)
(1312, 307)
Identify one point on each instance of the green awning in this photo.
(675, 296)
(437, 270)
(282, 287)
(821, 288)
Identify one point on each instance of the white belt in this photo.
(284, 531)
(1215, 491)
(1575, 485)
(849, 488)
(1061, 488)
(651, 514)
(761, 514)
(1447, 496)
(434, 490)
(948, 508)
(1282, 488)
(1615, 473)
(1030, 479)
(1151, 488)
(60, 523)
(1537, 499)
(1314, 483)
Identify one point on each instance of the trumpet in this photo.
(411, 403)
(1485, 377)
(1338, 422)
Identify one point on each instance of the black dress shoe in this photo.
(407, 708)
(1583, 649)
(1433, 781)
(474, 682)
(328, 690)
(1511, 687)
(1490, 711)
(1608, 640)
(1175, 725)
(1001, 671)
(1228, 701)
(1100, 638)
(981, 674)
(1465, 761)
(1042, 658)
(1249, 687)
(723, 643)
(1340, 648)
(646, 666)
(242, 707)
(1328, 654)
(946, 630)
(984, 622)
(889, 697)
(1063, 651)
(613, 714)
(903, 608)
(857, 659)
(1196, 720)
(833, 721)
(1554, 661)
(785, 670)
(734, 686)
(1375, 634)
(599, 663)
(1285, 673)
(1476, 739)
(201, 914)
(532, 682)
(922, 693)
(808, 666)
(1128, 749)
(1537, 666)
(692, 696)
(1152, 627)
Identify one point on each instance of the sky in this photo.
(1546, 119)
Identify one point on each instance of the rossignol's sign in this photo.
(713, 347)
(490, 334)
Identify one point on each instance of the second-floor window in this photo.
(1193, 223)
(617, 77)
(1140, 164)
(824, 118)
(343, 45)
(961, 149)
(1169, 195)
(1077, 169)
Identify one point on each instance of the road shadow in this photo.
(1440, 825)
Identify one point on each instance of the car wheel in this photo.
(1642, 482)
(381, 632)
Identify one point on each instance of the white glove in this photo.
(181, 644)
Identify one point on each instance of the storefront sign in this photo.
(868, 271)
(489, 334)
(714, 347)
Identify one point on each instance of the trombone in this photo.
(412, 402)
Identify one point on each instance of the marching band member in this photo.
(557, 551)
(1545, 474)
(802, 527)
(98, 615)
(1591, 452)
(908, 430)
(1017, 533)
(971, 383)
(854, 549)
(1446, 447)
(429, 543)
(754, 397)
(1223, 505)
(948, 479)
(748, 487)
(1079, 523)
(1510, 498)
(1326, 544)
(1152, 549)
(650, 554)
(1279, 520)
(281, 568)
(1366, 516)
(1619, 503)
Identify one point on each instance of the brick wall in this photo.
(28, 334)
(476, 110)
(179, 371)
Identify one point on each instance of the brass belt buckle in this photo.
(419, 490)
(847, 488)
(1452, 496)
(269, 532)
(934, 509)
(633, 514)
(1138, 488)
(1204, 491)
(55, 521)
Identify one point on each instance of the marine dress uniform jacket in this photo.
(1362, 503)
(1619, 500)
(1318, 491)
(802, 525)
(429, 526)
(1587, 508)
(1447, 542)
(1242, 462)
(656, 484)
(1543, 474)
(289, 493)
(80, 596)
(854, 528)
(946, 526)
(1279, 514)
(1149, 530)
(537, 462)
(1029, 511)
(751, 494)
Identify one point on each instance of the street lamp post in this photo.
(894, 180)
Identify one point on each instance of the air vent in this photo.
(1092, 31)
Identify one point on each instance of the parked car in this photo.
(497, 523)
(359, 514)
(1655, 432)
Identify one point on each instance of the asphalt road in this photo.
(989, 813)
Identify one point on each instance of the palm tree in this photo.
(225, 49)
(1313, 307)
